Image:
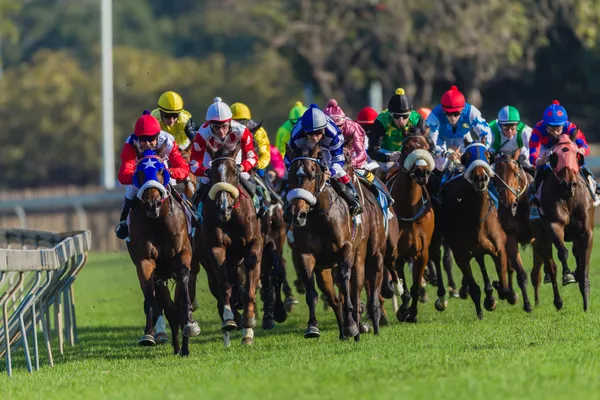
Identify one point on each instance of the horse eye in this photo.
(312, 176)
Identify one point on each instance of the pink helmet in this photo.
(335, 112)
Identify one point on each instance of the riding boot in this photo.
(122, 230)
(262, 208)
(376, 187)
(348, 193)
(540, 174)
(199, 197)
(591, 182)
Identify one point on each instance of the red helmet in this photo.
(453, 100)
(366, 116)
(146, 125)
(424, 112)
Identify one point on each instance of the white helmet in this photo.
(219, 112)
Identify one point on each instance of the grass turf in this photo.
(508, 354)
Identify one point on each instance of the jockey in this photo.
(241, 113)
(315, 127)
(390, 128)
(545, 134)
(451, 122)
(174, 119)
(366, 118)
(218, 130)
(147, 135)
(355, 134)
(277, 162)
(284, 132)
(510, 134)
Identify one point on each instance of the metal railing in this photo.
(37, 271)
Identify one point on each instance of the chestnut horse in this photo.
(325, 237)
(567, 215)
(513, 182)
(415, 217)
(471, 225)
(189, 183)
(161, 250)
(231, 236)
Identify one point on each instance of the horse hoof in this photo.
(453, 293)
(364, 328)
(351, 331)
(441, 304)
(280, 313)
(383, 321)
(489, 304)
(290, 302)
(161, 338)
(228, 325)
(527, 308)
(147, 340)
(195, 305)
(248, 322)
(247, 341)
(411, 319)
(184, 353)
(402, 314)
(513, 298)
(191, 330)
(363, 307)
(312, 332)
(558, 304)
(268, 324)
(568, 278)
(480, 315)
(424, 298)
(547, 279)
(463, 293)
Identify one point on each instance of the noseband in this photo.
(304, 194)
(522, 182)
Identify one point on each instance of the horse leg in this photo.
(447, 262)
(557, 233)
(536, 272)
(489, 302)
(306, 264)
(278, 279)
(435, 258)
(290, 300)
(267, 292)
(326, 286)
(195, 270)
(345, 272)
(184, 305)
(218, 255)
(582, 249)
(374, 278)
(512, 250)
(171, 313)
(463, 260)
(418, 271)
(402, 312)
(252, 263)
(357, 280)
(145, 271)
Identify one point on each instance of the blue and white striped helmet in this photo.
(313, 119)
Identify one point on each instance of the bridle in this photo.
(518, 192)
(301, 174)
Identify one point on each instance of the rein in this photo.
(319, 175)
(521, 188)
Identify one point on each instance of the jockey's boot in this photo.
(122, 230)
(350, 194)
(262, 208)
(199, 197)
(376, 188)
(591, 182)
(540, 174)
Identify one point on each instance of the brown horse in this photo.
(471, 225)
(161, 250)
(231, 236)
(567, 215)
(325, 237)
(415, 217)
(513, 183)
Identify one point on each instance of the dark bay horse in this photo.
(161, 250)
(415, 217)
(189, 183)
(513, 181)
(567, 215)
(471, 226)
(231, 236)
(325, 237)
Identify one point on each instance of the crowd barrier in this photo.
(37, 271)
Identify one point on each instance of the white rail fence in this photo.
(37, 271)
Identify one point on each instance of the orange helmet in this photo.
(424, 112)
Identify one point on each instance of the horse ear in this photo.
(490, 157)
(553, 160)
(288, 149)
(465, 158)
(580, 159)
(137, 148)
(162, 149)
(210, 150)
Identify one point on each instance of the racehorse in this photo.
(161, 250)
(325, 237)
(512, 181)
(567, 215)
(471, 226)
(231, 236)
(415, 216)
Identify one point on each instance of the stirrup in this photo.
(534, 212)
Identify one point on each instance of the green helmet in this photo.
(297, 111)
(508, 115)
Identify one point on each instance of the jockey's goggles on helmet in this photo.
(509, 127)
(403, 115)
(316, 133)
(147, 138)
(169, 115)
(453, 113)
(218, 125)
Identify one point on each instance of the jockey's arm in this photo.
(480, 126)
(178, 167)
(190, 129)
(376, 136)
(434, 133)
(197, 156)
(335, 146)
(358, 143)
(284, 134)
(524, 156)
(128, 162)
(579, 139)
(535, 144)
(248, 153)
(264, 148)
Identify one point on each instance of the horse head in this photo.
(511, 179)
(306, 180)
(565, 162)
(225, 177)
(415, 157)
(477, 159)
(151, 177)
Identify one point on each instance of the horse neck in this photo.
(482, 202)
(407, 192)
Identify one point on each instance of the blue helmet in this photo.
(313, 119)
(555, 114)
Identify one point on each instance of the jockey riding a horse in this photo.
(221, 130)
(175, 120)
(544, 136)
(147, 135)
(510, 134)
(451, 122)
(315, 127)
(390, 128)
(284, 133)
(354, 133)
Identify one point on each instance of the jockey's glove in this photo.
(395, 156)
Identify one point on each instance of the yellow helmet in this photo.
(240, 111)
(170, 103)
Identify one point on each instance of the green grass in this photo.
(508, 354)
